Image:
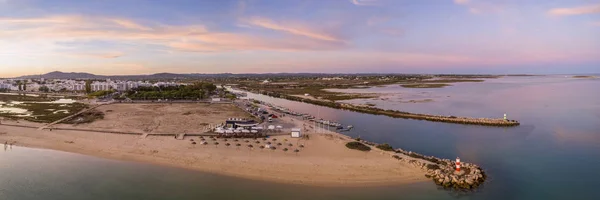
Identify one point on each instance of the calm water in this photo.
(554, 154)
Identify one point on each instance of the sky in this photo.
(122, 37)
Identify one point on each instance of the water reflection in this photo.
(559, 132)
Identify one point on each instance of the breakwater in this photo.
(399, 114)
(442, 171)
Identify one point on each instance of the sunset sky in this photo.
(333, 36)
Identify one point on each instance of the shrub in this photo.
(358, 146)
(433, 167)
(385, 147)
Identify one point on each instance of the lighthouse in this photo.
(457, 164)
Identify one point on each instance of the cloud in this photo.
(364, 2)
(216, 42)
(33, 35)
(100, 55)
(130, 24)
(292, 29)
(479, 7)
(461, 2)
(589, 9)
(392, 32)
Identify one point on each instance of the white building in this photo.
(99, 86)
(5, 86)
(296, 132)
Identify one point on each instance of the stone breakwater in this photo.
(399, 114)
(443, 171)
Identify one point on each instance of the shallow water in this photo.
(552, 155)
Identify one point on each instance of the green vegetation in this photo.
(358, 146)
(44, 89)
(580, 76)
(38, 108)
(86, 117)
(101, 93)
(45, 112)
(88, 86)
(433, 166)
(199, 90)
(385, 147)
(425, 85)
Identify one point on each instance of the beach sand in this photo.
(324, 161)
(161, 118)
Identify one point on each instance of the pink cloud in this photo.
(194, 38)
(589, 9)
(292, 29)
(364, 2)
(479, 7)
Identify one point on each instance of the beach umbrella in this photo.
(274, 139)
(285, 149)
(238, 145)
(290, 144)
(296, 151)
(257, 142)
(279, 144)
(247, 141)
(251, 146)
(301, 146)
(216, 144)
(261, 147)
(227, 144)
(193, 142)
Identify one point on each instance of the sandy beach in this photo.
(323, 161)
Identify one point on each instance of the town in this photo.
(76, 86)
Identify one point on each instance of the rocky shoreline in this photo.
(443, 171)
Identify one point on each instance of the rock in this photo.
(446, 180)
(469, 181)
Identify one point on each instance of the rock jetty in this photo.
(399, 114)
(443, 171)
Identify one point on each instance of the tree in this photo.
(25, 86)
(44, 89)
(88, 86)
